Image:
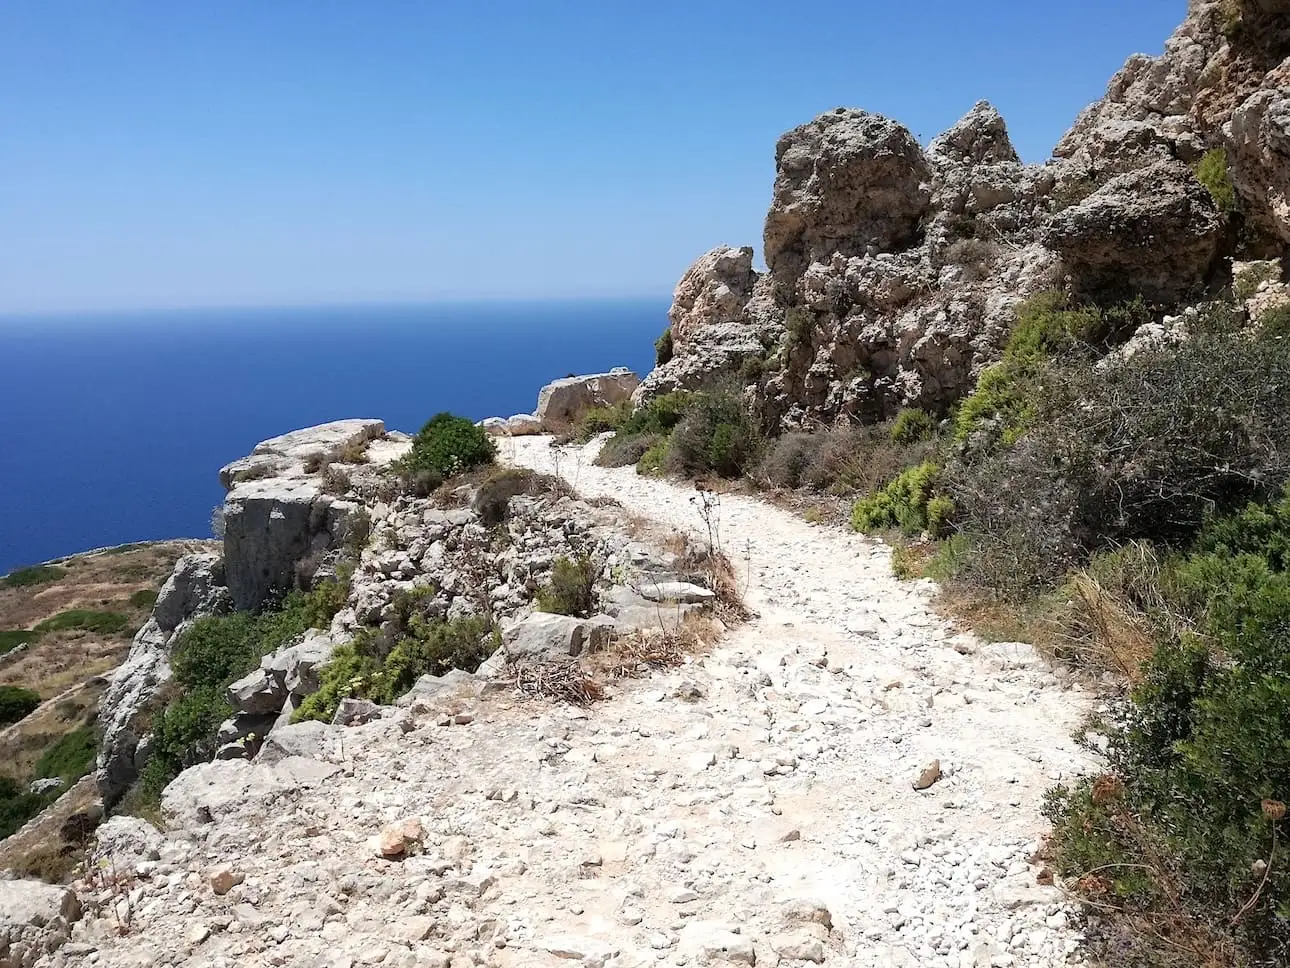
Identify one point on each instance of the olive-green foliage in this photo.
(717, 435)
(651, 462)
(70, 758)
(1004, 395)
(17, 805)
(35, 575)
(841, 460)
(663, 348)
(10, 639)
(104, 623)
(367, 668)
(1199, 758)
(643, 429)
(904, 504)
(1143, 450)
(211, 654)
(1275, 323)
(16, 703)
(799, 323)
(599, 420)
(143, 598)
(571, 590)
(448, 445)
(912, 426)
(1212, 172)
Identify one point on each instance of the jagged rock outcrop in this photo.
(1154, 231)
(894, 271)
(561, 402)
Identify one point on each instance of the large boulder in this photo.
(545, 637)
(269, 525)
(195, 587)
(849, 182)
(296, 668)
(561, 402)
(1153, 231)
(130, 692)
(35, 920)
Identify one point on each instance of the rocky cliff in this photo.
(893, 269)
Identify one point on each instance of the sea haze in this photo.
(113, 428)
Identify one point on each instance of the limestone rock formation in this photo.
(35, 920)
(1154, 231)
(561, 401)
(894, 271)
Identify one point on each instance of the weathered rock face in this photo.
(35, 920)
(1153, 231)
(269, 525)
(895, 272)
(288, 455)
(561, 402)
(848, 182)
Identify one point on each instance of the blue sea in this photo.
(113, 427)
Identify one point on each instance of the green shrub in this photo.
(571, 589)
(448, 445)
(35, 575)
(492, 500)
(16, 703)
(599, 420)
(103, 623)
(912, 426)
(657, 416)
(717, 435)
(364, 668)
(143, 598)
(1134, 451)
(799, 324)
(902, 504)
(1212, 172)
(1275, 323)
(17, 805)
(1005, 393)
(663, 348)
(70, 758)
(1192, 807)
(651, 462)
(619, 451)
(12, 638)
(212, 653)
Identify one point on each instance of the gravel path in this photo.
(756, 807)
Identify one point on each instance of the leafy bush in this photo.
(912, 426)
(799, 323)
(571, 589)
(652, 460)
(35, 575)
(619, 451)
(841, 460)
(1275, 323)
(12, 638)
(903, 504)
(17, 805)
(599, 420)
(144, 598)
(1004, 395)
(448, 445)
(717, 435)
(70, 758)
(1134, 451)
(365, 668)
(1250, 275)
(1192, 808)
(17, 703)
(493, 498)
(215, 651)
(104, 623)
(663, 348)
(1212, 172)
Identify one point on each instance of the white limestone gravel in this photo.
(754, 807)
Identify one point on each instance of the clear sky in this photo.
(247, 152)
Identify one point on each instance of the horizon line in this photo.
(83, 312)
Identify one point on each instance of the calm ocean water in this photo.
(113, 428)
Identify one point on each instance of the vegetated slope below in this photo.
(682, 816)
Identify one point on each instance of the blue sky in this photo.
(307, 151)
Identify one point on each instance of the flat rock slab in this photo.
(677, 591)
(324, 440)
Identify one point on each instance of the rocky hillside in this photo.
(893, 269)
